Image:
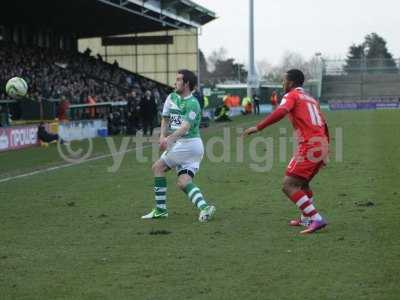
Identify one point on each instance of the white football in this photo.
(16, 87)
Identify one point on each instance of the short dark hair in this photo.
(189, 77)
(296, 76)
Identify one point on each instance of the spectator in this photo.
(247, 106)
(63, 109)
(5, 119)
(148, 112)
(274, 100)
(256, 104)
(221, 114)
(113, 124)
(133, 120)
(199, 97)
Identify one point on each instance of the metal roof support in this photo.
(109, 2)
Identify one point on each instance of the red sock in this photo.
(303, 202)
(309, 194)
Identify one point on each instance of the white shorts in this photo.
(185, 154)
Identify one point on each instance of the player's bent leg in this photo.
(194, 195)
(184, 179)
(159, 168)
(307, 189)
(304, 220)
(160, 190)
(293, 188)
(291, 185)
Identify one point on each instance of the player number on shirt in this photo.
(314, 115)
(175, 121)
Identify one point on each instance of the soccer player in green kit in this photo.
(183, 148)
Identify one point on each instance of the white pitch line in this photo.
(90, 159)
(68, 165)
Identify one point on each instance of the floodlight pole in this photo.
(251, 76)
(198, 61)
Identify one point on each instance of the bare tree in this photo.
(263, 67)
(215, 56)
(293, 60)
(290, 60)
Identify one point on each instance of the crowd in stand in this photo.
(51, 74)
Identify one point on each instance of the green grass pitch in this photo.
(76, 233)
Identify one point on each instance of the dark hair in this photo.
(296, 76)
(189, 77)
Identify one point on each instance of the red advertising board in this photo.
(18, 137)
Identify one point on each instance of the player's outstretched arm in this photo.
(249, 131)
(274, 117)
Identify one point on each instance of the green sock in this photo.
(195, 196)
(160, 190)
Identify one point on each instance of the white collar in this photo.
(187, 97)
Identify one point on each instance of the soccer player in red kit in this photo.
(312, 151)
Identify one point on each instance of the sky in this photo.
(306, 27)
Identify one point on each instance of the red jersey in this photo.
(305, 115)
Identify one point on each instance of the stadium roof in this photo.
(92, 18)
